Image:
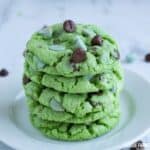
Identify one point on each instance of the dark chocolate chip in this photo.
(78, 56)
(24, 53)
(100, 92)
(147, 57)
(97, 40)
(69, 126)
(75, 67)
(69, 26)
(94, 104)
(116, 54)
(3, 73)
(26, 80)
(137, 146)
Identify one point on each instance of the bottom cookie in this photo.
(74, 132)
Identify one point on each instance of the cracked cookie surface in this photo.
(107, 80)
(77, 104)
(73, 132)
(54, 53)
(47, 113)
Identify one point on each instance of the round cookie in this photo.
(74, 132)
(37, 65)
(47, 113)
(83, 84)
(59, 52)
(77, 104)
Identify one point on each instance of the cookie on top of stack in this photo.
(72, 81)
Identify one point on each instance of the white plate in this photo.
(16, 130)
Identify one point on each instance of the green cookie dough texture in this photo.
(72, 81)
(83, 84)
(37, 65)
(77, 104)
(47, 113)
(74, 132)
(54, 52)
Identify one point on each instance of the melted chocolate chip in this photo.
(69, 26)
(147, 58)
(97, 40)
(26, 80)
(78, 56)
(137, 146)
(3, 73)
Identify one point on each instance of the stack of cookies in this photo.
(72, 81)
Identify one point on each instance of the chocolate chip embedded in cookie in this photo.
(69, 26)
(75, 67)
(26, 80)
(97, 40)
(78, 56)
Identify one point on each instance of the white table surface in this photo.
(128, 21)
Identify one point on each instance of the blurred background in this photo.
(128, 21)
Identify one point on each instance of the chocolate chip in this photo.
(97, 40)
(3, 73)
(24, 53)
(99, 93)
(147, 58)
(26, 80)
(75, 67)
(94, 104)
(78, 56)
(115, 54)
(137, 146)
(69, 26)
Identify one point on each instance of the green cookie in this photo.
(47, 113)
(105, 81)
(37, 65)
(54, 52)
(71, 132)
(77, 104)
